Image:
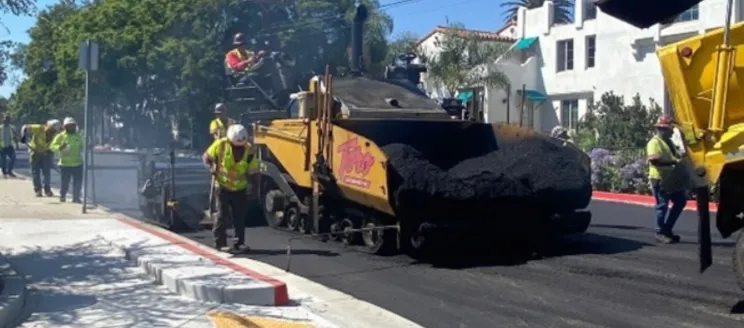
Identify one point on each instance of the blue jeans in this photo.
(7, 159)
(664, 223)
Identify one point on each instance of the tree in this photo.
(619, 125)
(18, 8)
(464, 60)
(403, 43)
(563, 9)
(162, 61)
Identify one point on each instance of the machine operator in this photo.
(239, 61)
(219, 125)
(40, 155)
(231, 160)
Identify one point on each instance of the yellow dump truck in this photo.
(703, 77)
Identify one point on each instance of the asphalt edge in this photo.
(193, 289)
(13, 295)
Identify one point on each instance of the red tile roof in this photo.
(485, 35)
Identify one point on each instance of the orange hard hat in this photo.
(665, 121)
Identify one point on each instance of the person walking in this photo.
(231, 160)
(40, 155)
(667, 182)
(69, 144)
(8, 143)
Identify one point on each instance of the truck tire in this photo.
(738, 259)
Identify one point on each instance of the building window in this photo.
(565, 55)
(569, 113)
(591, 49)
(689, 15)
(590, 10)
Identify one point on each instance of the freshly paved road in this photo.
(615, 276)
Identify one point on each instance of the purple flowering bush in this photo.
(623, 171)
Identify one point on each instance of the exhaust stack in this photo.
(357, 35)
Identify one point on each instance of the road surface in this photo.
(615, 276)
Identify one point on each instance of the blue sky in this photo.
(418, 17)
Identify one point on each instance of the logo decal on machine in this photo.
(355, 163)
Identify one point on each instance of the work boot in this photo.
(48, 193)
(12, 175)
(38, 194)
(77, 201)
(675, 238)
(664, 239)
(240, 249)
(62, 199)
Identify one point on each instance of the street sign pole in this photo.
(88, 62)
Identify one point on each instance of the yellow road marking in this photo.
(232, 320)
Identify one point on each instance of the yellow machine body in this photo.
(714, 130)
(358, 163)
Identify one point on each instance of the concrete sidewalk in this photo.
(99, 270)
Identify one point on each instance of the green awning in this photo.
(465, 95)
(534, 95)
(525, 43)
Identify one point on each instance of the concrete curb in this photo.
(642, 200)
(13, 295)
(197, 272)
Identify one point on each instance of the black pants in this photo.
(7, 159)
(41, 164)
(74, 173)
(230, 202)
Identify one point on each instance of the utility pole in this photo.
(88, 62)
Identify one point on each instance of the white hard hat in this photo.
(54, 123)
(557, 131)
(68, 121)
(237, 134)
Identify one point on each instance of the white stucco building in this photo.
(564, 67)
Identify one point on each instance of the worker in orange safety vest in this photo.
(240, 60)
(231, 159)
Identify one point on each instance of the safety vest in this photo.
(221, 128)
(39, 140)
(232, 175)
(2, 135)
(242, 55)
(72, 155)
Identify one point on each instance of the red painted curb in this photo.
(281, 296)
(641, 200)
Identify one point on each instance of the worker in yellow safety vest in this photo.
(218, 126)
(69, 145)
(40, 155)
(8, 143)
(667, 183)
(231, 160)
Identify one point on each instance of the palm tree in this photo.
(465, 61)
(563, 9)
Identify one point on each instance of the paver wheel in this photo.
(739, 260)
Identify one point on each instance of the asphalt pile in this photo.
(531, 175)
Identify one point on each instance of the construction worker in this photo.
(40, 155)
(69, 144)
(8, 143)
(231, 160)
(218, 126)
(667, 184)
(240, 60)
(561, 133)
